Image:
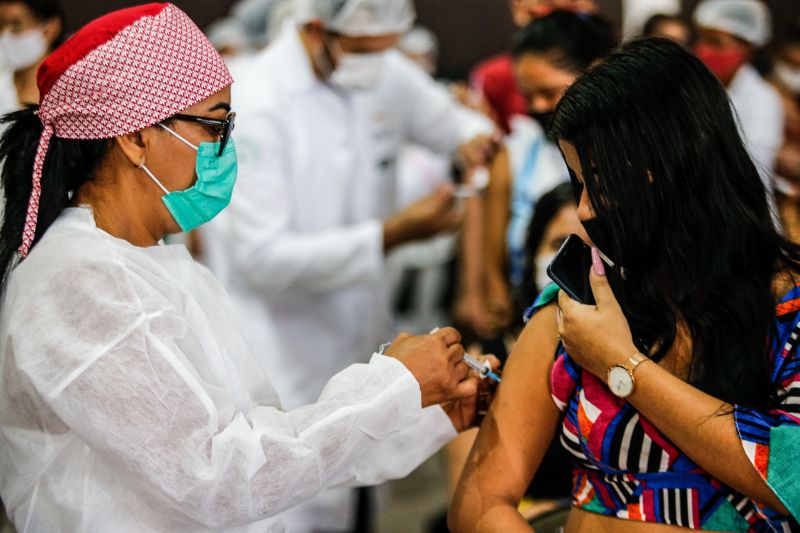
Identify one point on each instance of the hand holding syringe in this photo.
(483, 369)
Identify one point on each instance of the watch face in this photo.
(620, 382)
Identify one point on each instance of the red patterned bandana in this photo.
(121, 73)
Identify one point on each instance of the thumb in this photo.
(603, 294)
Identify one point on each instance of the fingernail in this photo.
(558, 314)
(597, 263)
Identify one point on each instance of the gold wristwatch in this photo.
(620, 377)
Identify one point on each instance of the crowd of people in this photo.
(209, 239)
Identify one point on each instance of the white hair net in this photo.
(419, 40)
(227, 32)
(746, 19)
(358, 18)
(254, 17)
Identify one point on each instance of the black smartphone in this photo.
(570, 269)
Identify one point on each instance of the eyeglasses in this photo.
(223, 127)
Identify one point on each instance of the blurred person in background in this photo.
(669, 27)
(729, 32)
(785, 77)
(325, 110)
(228, 38)
(549, 54)
(421, 46)
(636, 13)
(251, 25)
(493, 80)
(29, 30)
(260, 20)
(418, 274)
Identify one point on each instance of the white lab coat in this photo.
(130, 402)
(316, 179)
(303, 233)
(759, 112)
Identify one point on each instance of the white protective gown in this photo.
(129, 401)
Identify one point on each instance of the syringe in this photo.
(483, 369)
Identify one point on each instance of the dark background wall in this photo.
(469, 30)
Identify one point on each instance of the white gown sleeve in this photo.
(115, 375)
(432, 117)
(265, 250)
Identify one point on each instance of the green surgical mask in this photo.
(211, 193)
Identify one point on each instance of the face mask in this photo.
(789, 76)
(542, 262)
(21, 50)
(723, 62)
(358, 71)
(211, 193)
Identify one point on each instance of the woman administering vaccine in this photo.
(128, 398)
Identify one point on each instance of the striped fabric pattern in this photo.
(624, 467)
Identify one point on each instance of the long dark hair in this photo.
(68, 165)
(665, 168)
(571, 41)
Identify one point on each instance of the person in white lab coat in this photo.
(729, 33)
(324, 112)
(129, 399)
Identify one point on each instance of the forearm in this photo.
(402, 451)
(496, 216)
(497, 207)
(702, 427)
(151, 418)
(471, 243)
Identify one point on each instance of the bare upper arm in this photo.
(519, 427)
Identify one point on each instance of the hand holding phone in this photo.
(570, 269)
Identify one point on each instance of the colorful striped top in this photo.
(624, 467)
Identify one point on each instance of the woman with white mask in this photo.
(29, 30)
